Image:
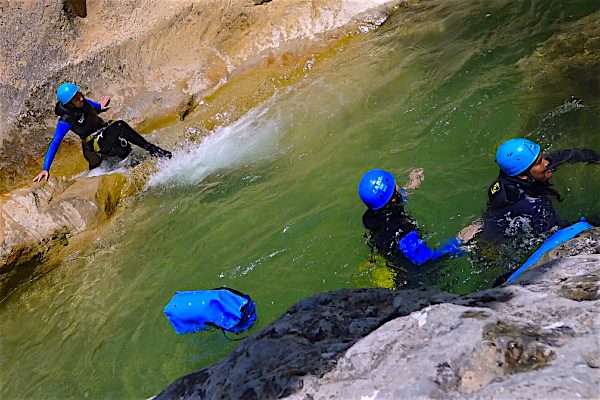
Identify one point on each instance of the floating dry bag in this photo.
(199, 310)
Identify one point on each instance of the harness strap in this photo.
(94, 138)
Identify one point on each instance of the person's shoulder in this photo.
(494, 188)
(368, 218)
(495, 191)
(502, 193)
(59, 110)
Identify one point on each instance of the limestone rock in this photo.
(34, 220)
(173, 50)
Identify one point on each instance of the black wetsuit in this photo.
(385, 229)
(98, 138)
(514, 201)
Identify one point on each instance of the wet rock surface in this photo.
(539, 339)
(37, 221)
(173, 52)
(149, 55)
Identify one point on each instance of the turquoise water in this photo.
(268, 205)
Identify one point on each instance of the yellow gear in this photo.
(94, 138)
(379, 274)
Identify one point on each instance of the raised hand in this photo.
(415, 178)
(104, 102)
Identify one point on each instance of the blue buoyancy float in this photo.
(558, 238)
(199, 310)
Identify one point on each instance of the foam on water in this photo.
(252, 138)
(108, 167)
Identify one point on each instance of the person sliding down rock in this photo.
(391, 231)
(99, 139)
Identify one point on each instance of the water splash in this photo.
(110, 166)
(252, 138)
(550, 121)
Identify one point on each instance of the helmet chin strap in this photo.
(530, 178)
(527, 174)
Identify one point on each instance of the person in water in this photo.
(390, 229)
(522, 193)
(99, 139)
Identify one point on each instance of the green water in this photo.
(269, 206)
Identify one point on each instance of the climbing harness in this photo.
(95, 138)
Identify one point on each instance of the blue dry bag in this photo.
(199, 310)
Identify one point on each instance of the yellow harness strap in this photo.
(95, 137)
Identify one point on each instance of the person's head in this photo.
(377, 189)
(523, 158)
(68, 93)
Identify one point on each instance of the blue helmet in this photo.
(516, 156)
(376, 188)
(66, 91)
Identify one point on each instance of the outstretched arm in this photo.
(418, 252)
(415, 178)
(468, 232)
(559, 157)
(62, 127)
(102, 106)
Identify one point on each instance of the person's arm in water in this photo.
(415, 248)
(559, 157)
(418, 252)
(415, 178)
(62, 127)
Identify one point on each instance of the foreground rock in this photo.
(536, 340)
(306, 341)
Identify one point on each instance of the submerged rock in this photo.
(563, 74)
(537, 340)
(568, 62)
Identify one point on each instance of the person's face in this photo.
(540, 171)
(78, 100)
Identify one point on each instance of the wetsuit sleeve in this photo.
(62, 127)
(403, 195)
(559, 157)
(418, 252)
(97, 106)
